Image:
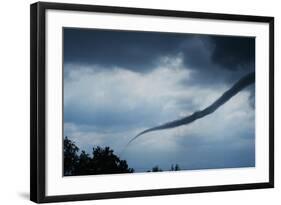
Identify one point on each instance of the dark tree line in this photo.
(158, 169)
(102, 161)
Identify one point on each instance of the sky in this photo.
(119, 83)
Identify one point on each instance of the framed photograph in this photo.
(129, 102)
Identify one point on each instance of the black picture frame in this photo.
(38, 101)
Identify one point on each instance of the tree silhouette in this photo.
(175, 168)
(102, 161)
(156, 169)
(71, 158)
(83, 166)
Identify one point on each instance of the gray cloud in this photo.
(117, 83)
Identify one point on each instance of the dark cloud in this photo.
(233, 52)
(136, 51)
(223, 58)
(196, 51)
(218, 59)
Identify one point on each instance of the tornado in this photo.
(226, 96)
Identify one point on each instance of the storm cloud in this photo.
(118, 83)
(226, 57)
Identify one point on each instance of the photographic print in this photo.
(139, 102)
(132, 102)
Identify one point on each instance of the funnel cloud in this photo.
(237, 87)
